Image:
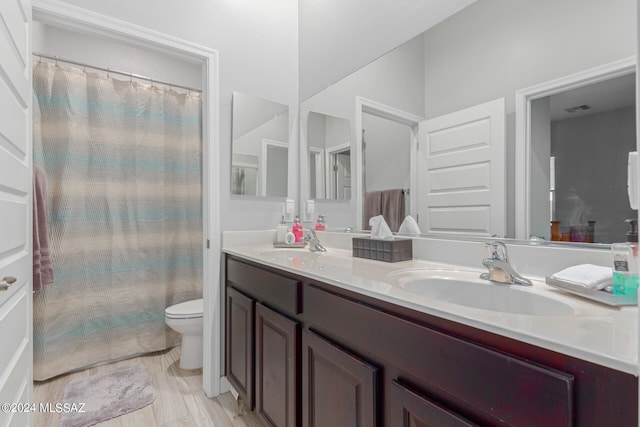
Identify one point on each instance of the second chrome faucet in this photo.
(499, 268)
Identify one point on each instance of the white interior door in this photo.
(461, 172)
(16, 356)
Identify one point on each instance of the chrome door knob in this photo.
(6, 282)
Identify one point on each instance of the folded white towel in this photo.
(587, 275)
(409, 226)
(380, 229)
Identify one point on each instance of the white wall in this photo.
(107, 53)
(338, 37)
(387, 153)
(257, 43)
(495, 47)
(275, 130)
(396, 79)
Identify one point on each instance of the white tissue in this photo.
(379, 228)
(587, 275)
(409, 226)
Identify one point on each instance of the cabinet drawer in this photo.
(276, 368)
(338, 388)
(409, 409)
(239, 344)
(497, 388)
(264, 286)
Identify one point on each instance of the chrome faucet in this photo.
(311, 237)
(499, 268)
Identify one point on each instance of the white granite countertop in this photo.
(594, 332)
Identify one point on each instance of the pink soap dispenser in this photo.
(297, 229)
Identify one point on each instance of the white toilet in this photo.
(186, 318)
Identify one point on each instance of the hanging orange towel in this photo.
(42, 266)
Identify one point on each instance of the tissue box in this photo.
(383, 250)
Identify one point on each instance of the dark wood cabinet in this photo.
(325, 356)
(239, 344)
(276, 368)
(339, 389)
(410, 409)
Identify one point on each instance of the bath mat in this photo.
(106, 395)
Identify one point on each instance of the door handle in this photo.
(6, 282)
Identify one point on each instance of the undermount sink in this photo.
(467, 289)
(295, 257)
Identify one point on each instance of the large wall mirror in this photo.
(260, 147)
(579, 139)
(329, 140)
(515, 45)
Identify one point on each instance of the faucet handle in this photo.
(497, 250)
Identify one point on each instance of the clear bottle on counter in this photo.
(281, 231)
(625, 262)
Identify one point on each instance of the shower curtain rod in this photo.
(109, 70)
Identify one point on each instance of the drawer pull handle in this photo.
(6, 282)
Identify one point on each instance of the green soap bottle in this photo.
(625, 262)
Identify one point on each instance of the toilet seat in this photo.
(185, 310)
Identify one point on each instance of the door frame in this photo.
(319, 163)
(524, 97)
(264, 161)
(329, 161)
(364, 105)
(64, 15)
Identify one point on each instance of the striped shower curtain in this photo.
(123, 164)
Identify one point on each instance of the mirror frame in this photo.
(524, 98)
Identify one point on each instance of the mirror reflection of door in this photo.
(387, 155)
(461, 172)
(316, 173)
(275, 168)
(588, 132)
(328, 136)
(340, 174)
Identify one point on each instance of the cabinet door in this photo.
(239, 348)
(338, 388)
(276, 367)
(409, 409)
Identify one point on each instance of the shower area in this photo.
(122, 157)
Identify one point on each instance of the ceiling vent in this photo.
(578, 108)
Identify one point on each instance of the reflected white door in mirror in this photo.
(461, 172)
(259, 152)
(329, 142)
(573, 136)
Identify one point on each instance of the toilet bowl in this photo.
(186, 318)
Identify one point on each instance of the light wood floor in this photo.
(180, 400)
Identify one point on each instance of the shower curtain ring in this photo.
(108, 73)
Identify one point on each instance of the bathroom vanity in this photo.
(304, 348)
